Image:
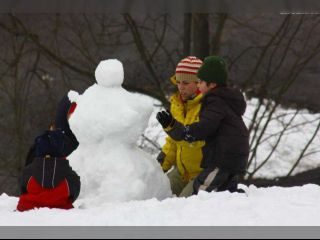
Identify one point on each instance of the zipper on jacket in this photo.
(184, 168)
(43, 171)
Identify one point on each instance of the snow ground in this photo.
(298, 206)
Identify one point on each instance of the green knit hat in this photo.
(213, 70)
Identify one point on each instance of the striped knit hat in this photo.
(187, 69)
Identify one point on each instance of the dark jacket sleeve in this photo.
(211, 116)
(61, 121)
(31, 155)
(161, 157)
(74, 185)
(24, 179)
(71, 143)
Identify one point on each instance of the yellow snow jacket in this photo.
(186, 156)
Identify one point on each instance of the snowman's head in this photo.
(110, 73)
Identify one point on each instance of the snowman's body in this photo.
(107, 123)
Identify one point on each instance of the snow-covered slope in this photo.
(275, 206)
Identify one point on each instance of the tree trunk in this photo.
(200, 26)
(187, 34)
(216, 41)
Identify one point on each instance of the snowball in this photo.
(110, 73)
(73, 96)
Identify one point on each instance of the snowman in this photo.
(107, 123)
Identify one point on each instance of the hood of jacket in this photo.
(232, 97)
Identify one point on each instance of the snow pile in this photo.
(107, 123)
(298, 206)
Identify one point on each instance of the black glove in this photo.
(161, 157)
(165, 119)
(50, 143)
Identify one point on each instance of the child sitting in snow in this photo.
(49, 181)
(65, 109)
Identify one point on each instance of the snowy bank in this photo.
(298, 206)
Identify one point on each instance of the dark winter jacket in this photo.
(48, 182)
(65, 107)
(222, 128)
(31, 155)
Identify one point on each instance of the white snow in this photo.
(107, 123)
(298, 206)
(291, 145)
(110, 73)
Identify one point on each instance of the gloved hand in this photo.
(50, 143)
(161, 157)
(165, 119)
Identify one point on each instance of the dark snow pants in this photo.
(215, 180)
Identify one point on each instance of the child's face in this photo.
(204, 87)
(187, 89)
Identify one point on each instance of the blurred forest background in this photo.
(272, 57)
